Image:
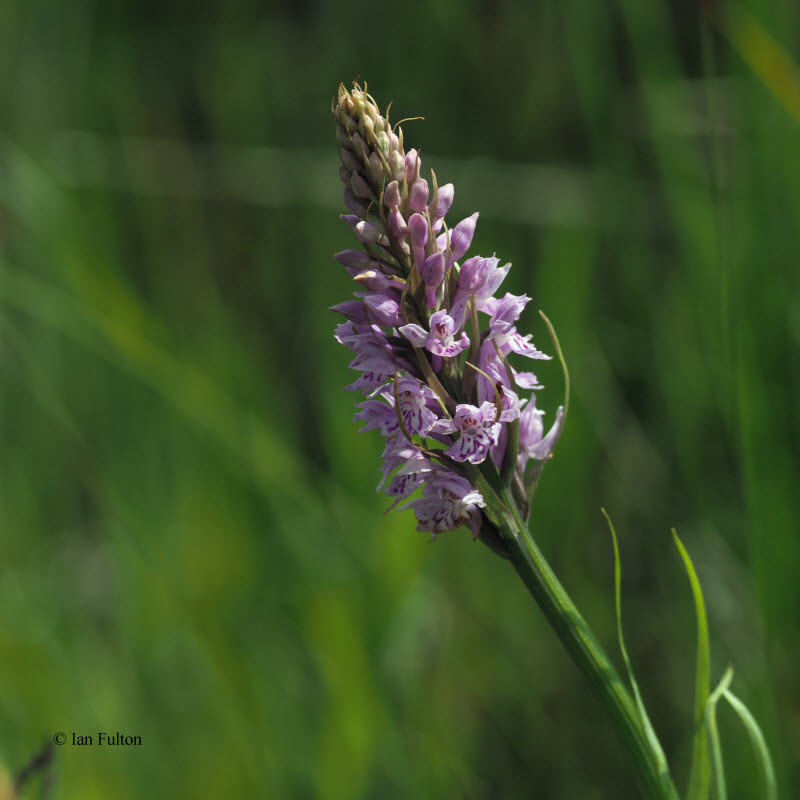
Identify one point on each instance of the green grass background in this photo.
(191, 547)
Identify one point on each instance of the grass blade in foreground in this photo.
(647, 726)
(700, 775)
(716, 766)
(759, 743)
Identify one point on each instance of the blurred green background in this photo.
(192, 549)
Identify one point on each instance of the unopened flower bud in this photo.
(397, 225)
(418, 196)
(397, 164)
(444, 200)
(360, 186)
(384, 142)
(391, 195)
(366, 127)
(376, 281)
(368, 233)
(382, 310)
(344, 175)
(342, 139)
(354, 310)
(360, 148)
(472, 275)
(418, 234)
(412, 166)
(376, 168)
(462, 236)
(348, 159)
(432, 274)
(354, 259)
(353, 203)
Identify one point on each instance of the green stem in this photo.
(585, 651)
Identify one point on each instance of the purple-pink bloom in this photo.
(440, 340)
(412, 399)
(505, 313)
(448, 501)
(373, 352)
(477, 429)
(413, 467)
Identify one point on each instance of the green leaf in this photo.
(647, 727)
(758, 742)
(700, 775)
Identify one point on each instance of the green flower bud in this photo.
(397, 164)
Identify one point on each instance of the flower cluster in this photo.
(436, 381)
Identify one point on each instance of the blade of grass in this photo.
(717, 767)
(560, 355)
(700, 775)
(759, 743)
(647, 726)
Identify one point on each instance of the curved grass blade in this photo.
(759, 744)
(700, 775)
(717, 768)
(647, 726)
(560, 355)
